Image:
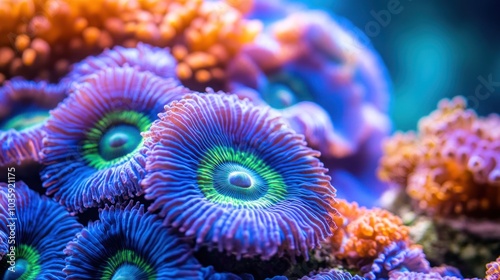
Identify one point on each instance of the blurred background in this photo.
(432, 49)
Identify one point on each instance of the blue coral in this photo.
(332, 274)
(93, 150)
(24, 108)
(447, 271)
(41, 227)
(323, 274)
(398, 275)
(235, 177)
(398, 256)
(127, 242)
(4, 247)
(226, 275)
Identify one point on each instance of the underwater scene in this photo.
(249, 139)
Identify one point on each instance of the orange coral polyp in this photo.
(364, 233)
(373, 231)
(452, 168)
(401, 152)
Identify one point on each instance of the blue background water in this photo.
(433, 49)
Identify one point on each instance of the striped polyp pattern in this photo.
(69, 175)
(163, 254)
(143, 57)
(19, 146)
(42, 230)
(284, 202)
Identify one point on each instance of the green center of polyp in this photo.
(119, 141)
(240, 179)
(25, 120)
(18, 271)
(127, 265)
(114, 139)
(27, 264)
(129, 272)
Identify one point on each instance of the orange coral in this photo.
(493, 270)
(243, 6)
(364, 233)
(215, 35)
(374, 242)
(401, 153)
(452, 167)
(348, 211)
(41, 38)
(372, 232)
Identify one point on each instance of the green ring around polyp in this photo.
(127, 258)
(30, 259)
(92, 150)
(257, 185)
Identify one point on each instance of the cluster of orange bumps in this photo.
(450, 168)
(42, 38)
(363, 234)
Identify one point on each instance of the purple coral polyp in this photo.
(41, 230)
(24, 108)
(93, 151)
(143, 57)
(204, 140)
(129, 242)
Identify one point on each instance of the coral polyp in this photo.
(400, 156)
(4, 247)
(450, 167)
(374, 231)
(397, 275)
(213, 36)
(332, 274)
(24, 108)
(143, 57)
(366, 232)
(374, 242)
(210, 274)
(446, 270)
(235, 177)
(398, 256)
(493, 270)
(95, 152)
(127, 243)
(239, 178)
(39, 240)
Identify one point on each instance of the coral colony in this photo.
(191, 139)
